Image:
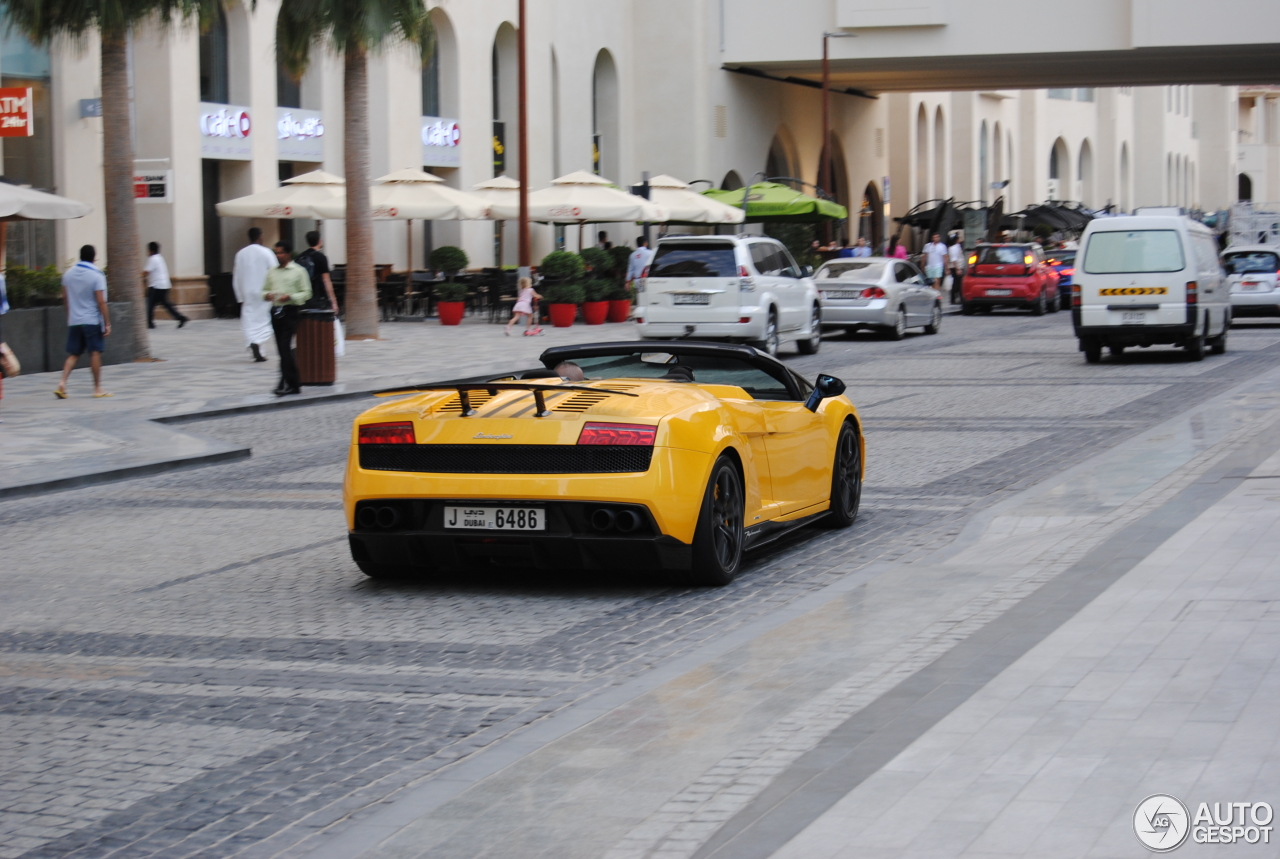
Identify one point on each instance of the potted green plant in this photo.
(563, 300)
(619, 302)
(620, 255)
(596, 307)
(451, 302)
(560, 267)
(597, 260)
(449, 260)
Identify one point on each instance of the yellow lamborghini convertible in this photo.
(675, 456)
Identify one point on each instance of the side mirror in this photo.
(824, 388)
(806, 271)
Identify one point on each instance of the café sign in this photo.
(15, 112)
(224, 132)
(299, 134)
(441, 140)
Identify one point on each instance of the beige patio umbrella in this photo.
(411, 195)
(688, 206)
(299, 197)
(504, 191)
(21, 203)
(583, 198)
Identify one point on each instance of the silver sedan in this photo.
(889, 295)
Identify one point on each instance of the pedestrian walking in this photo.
(84, 295)
(317, 265)
(525, 298)
(249, 273)
(638, 261)
(895, 250)
(935, 261)
(158, 286)
(861, 249)
(287, 287)
(955, 257)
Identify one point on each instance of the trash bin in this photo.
(316, 362)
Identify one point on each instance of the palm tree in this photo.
(41, 21)
(353, 28)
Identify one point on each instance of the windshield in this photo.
(686, 259)
(1001, 256)
(1251, 262)
(1134, 252)
(868, 271)
(706, 369)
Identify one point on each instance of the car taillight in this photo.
(1192, 290)
(1067, 272)
(973, 259)
(1075, 295)
(396, 433)
(644, 273)
(873, 292)
(628, 434)
(1028, 260)
(745, 282)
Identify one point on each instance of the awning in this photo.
(770, 202)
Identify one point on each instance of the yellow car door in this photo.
(799, 448)
(749, 421)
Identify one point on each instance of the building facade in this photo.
(620, 88)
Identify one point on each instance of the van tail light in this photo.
(1075, 295)
(873, 292)
(622, 434)
(391, 433)
(1192, 293)
(745, 282)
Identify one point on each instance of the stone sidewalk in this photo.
(205, 369)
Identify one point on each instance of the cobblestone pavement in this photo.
(190, 665)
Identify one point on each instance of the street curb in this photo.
(271, 405)
(26, 490)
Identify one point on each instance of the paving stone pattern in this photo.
(190, 665)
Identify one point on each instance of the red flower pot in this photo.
(595, 312)
(451, 312)
(619, 310)
(562, 315)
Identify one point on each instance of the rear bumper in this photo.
(974, 289)
(1255, 303)
(420, 540)
(1136, 335)
(876, 312)
(1006, 301)
(753, 330)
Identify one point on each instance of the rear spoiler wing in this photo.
(464, 390)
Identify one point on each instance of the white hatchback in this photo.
(747, 289)
(1252, 272)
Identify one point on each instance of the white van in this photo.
(742, 288)
(1150, 279)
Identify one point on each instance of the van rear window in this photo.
(712, 259)
(1134, 252)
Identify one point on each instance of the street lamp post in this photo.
(522, 133)
(824, 170)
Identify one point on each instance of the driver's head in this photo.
(570, 372)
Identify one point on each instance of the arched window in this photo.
(1244, 187)
(1059, 170)
(1124, 177)
(922, 155)
(604, 115)
(997, 158)
(504, 95)
(984, 163)
(837, 184)
(939, 155)
(731, 182)
(555, 115)
(780, 164)
(1085, 172)
(215, 84)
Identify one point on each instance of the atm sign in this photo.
(15, 112)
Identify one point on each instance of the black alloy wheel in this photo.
(814, 342)
(846, 480)
(718, 539)
(1039, 307)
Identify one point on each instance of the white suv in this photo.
(742, 288)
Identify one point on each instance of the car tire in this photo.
(814, 342)
(1092, 351)
(1054, 304)
(719, 536)
(967, 309)
(772, 342)
(899, 329)
(1195, 348)
(1038, 308)
(1218, 345)
(846, 480)
(935, 321)
(1117, 351)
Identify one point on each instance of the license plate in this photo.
(1250, 284)
(842, 293)
(496, 518)
(1133, 317)
(999, 292)
(690, 299)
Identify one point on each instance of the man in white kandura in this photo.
(253, 261)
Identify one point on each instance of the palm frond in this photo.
(341, 24)
(41, 21)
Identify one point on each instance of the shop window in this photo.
(214, 73)
(1064, 94)
(29, 160)
(288, 88)
(431, 85)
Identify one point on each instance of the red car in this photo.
(1009, 275)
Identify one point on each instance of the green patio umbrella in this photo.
(780, 204)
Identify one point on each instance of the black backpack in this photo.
(319, 298)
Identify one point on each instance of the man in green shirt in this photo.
(287, 287)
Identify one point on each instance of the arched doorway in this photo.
(836, 185)
(939, 155)
(871, 218)
(731, 181)
(604, 117)
(1059, 170)
(922, 155)
(1086, 173)
(1124, 177)
(781, 161)
(1244, 188)
(984, 163)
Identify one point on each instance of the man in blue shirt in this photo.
(84, 294)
